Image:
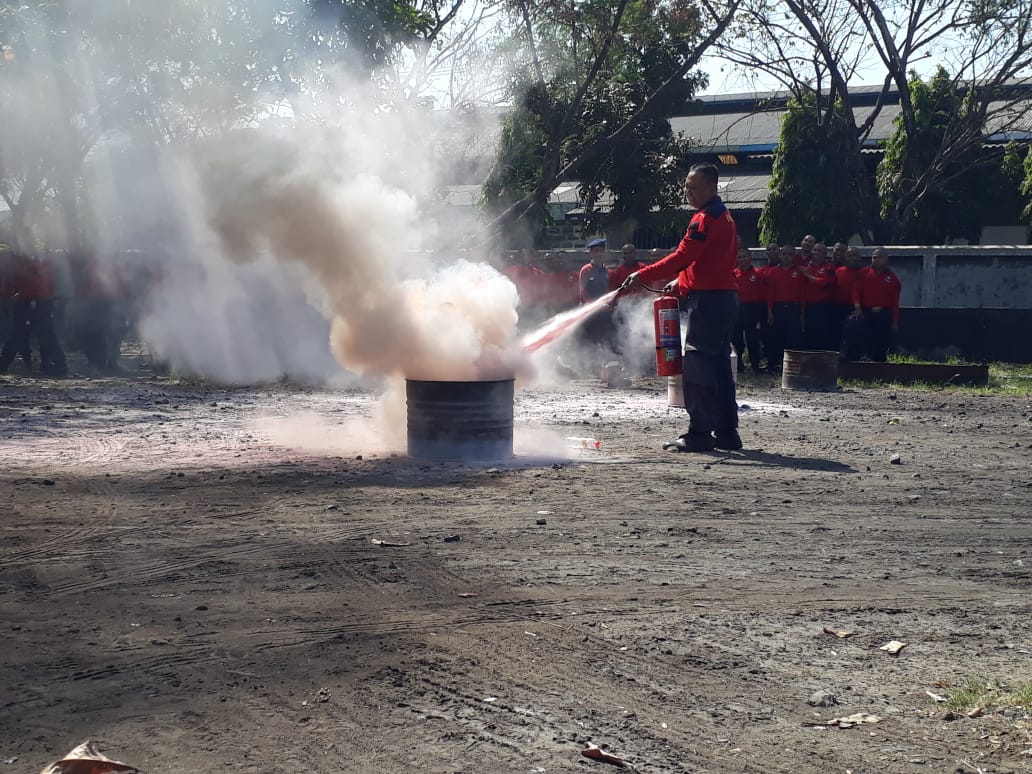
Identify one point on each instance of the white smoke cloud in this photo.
(301, 250)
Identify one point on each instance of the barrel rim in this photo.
(461, 381)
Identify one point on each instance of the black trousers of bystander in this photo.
(841, 317)
(879, 333)
(821, 328)
(854, 337)
(18, 337)
(709, 385)
(748, 333)
(785, 333)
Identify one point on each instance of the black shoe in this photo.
(729, 441)
(691, 442)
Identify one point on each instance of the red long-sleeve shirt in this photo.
(707, 255)
(622, 272)
(822, 287)
(32, 280)
(785, 286)
(845, 278)
(751, 287)
(877, 288)
(529, 282)
(561, 289)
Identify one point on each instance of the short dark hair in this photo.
(708, 171)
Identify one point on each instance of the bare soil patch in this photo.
(200, 597)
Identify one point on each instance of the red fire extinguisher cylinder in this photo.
(667, 318)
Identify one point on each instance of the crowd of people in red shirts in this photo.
(806, 297)
(809, 299)
(51, 301)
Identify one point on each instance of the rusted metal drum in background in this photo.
(469, 421)
(815, 370)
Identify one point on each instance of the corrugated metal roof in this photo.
(747, 190)
(757, 132)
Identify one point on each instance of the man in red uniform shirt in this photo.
(819, 318)
(876, 302)
(8, 271)
(845, 277)
(594, 276)
(33, 313)
(752, 311)
(629, 264)
(562, 290)
(786, 299)
(838, 254)
(704, 263)
(805, 251)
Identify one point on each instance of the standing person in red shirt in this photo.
(625, 314)
(704, 264)
(102, 291)
(562, 290)
(845, 277)
(838, 254)
(752, 311)
(594, 276)
(629, 264)
(33, 312)
(805, 251)
(819, 325)
(786, 300)
(876, 302)
(9, 268)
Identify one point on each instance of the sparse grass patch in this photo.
(990, 695)
(1004, 379)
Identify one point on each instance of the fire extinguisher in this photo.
(667, 317)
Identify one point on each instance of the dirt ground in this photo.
(200, 597)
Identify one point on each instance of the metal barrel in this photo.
(814, 370)
(469, 421)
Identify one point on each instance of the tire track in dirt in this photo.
(71, 544)
(153, 572)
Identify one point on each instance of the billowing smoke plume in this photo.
(394, 310)
(290, 225)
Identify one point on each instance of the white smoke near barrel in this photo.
(394, 311)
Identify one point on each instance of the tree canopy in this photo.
(74, 74)
(813, 188)
(824, 47)
(594, 85)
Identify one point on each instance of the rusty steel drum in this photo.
(814, 370)
(467, 421)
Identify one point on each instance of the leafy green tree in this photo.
(76, 77)
(594, 83)
(814, 189)
(827, 46)
(964, 190)
(1026, 185)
